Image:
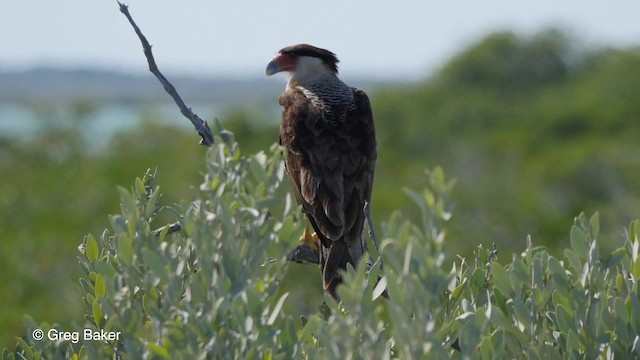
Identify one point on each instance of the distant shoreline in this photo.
(65, 85)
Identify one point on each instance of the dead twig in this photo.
(201, 126)
(172, 228)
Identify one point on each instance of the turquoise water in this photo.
(99, 123)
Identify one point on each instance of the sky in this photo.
(236, 38)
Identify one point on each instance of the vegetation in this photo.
(53, 189)
(533, 129)
(212, 289)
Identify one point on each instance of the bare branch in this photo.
(172, 228)
(372, 234)
(201, 126)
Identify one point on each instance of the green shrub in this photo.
(208, 285)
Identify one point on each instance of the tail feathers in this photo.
(337, 259)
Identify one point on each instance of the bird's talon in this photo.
(310, 239)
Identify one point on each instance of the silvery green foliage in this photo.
(584, 306)
(211, 290)
(208, 291)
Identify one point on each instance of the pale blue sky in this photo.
(238, 38)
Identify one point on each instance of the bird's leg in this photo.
(307, 252)
(310, 239)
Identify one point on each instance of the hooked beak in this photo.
(281, 62)
(272, 68)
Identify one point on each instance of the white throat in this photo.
(308, 71)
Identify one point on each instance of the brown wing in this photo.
(331, 161)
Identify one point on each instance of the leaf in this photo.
(127, 202)
(636, 345)
(158, 350)
(100, 288)
(256, 166)
(416, 198)
(91, 250)
(380, 288)
(558, 273)
(429, 198)
(464, 316)
(310, 327)
(118, 224)
(537, 272)
(498, 341)
(486, 349)
(614, 259)
(564, 319)
(520, 271)
(594, 253)
(86, 286)
(594, 223)
(175, 290)
(634, 238)
(152, 204)
(620, 284)
(163, 234)
(501, 279)
(139, 185)
(574, 261)
(636, 267)
(635, 305)
(156, 263)
(26, 348)
(456, 292)
(96, 311)
(573, 342)
(437, 178)
(521, 312)
(125, 249)
(579, 242)
(560, 298)
(497, 317)
(276, 309)
(304, 320)
(407, 258)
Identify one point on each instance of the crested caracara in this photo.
(328, 132)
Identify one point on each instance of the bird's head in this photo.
(303, 62)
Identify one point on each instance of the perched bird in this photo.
(327, 129)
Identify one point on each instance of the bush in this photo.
(208, 285)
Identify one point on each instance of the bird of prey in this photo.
(328, 132)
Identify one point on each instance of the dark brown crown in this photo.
(326, 56)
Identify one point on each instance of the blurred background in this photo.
(533, 107)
